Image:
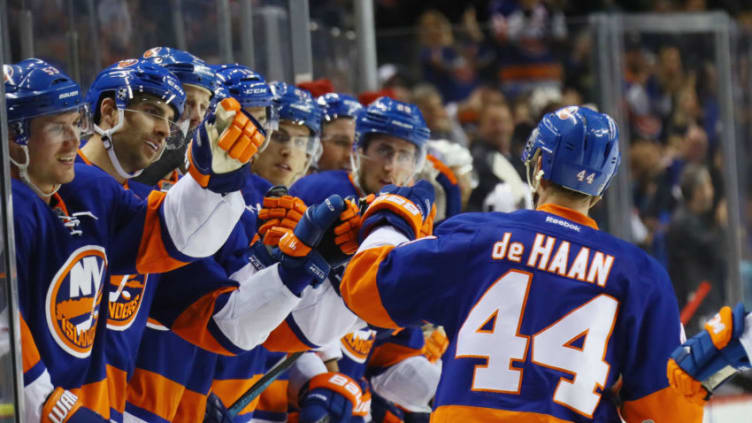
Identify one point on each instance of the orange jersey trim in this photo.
(442, 168)
(274, 398)
(230, 390)
(360, 288)
(568, 214)
(192, 407)
(389, 354)
(283, 339)
(117, 382)
(95, 397)
(664, 406)
(154, 393)
(29, 352)
(193, 323)
(152, 255)
(466, 414)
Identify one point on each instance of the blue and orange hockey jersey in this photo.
(544, 314)
(93, 227)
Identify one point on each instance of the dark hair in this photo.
(690, 178)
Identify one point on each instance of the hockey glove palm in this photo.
(295, 252)
(222, 145)
(709, 358)
(409, 209)
(332, 396)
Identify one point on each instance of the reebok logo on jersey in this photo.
(126, 294)
(73, 299)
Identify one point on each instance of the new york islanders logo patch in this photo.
(73, 299)
(126, 294)
(357, 345)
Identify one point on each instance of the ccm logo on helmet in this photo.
(73, 298)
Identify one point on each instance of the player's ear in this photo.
(108, 113)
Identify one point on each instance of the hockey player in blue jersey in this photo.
(95, 227)
(544, 313)
(337, 130)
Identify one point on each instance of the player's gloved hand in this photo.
(280, 211)
(300, 263)
(64, 406)
(342, 241)
(332, 397)
(216, 412)
(449, 184)
(405, 208)
(436, 344)
(224, 143)
(709, 358)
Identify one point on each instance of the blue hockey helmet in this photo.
(579, 148)
(336, 106)
(34, 88)
(188, 68)
(297, 106)
(392, 117)
(125, 81)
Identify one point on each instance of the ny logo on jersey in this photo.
(73, 299)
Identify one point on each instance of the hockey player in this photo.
(295, 145)
(89, 226)
(544, 313)
(337, 130)
(712, 356)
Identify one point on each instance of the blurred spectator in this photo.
(442, 62)
(493, 161)
(468, 112)
(695, 244)
(523, 30)
(438, 118)
(664, 85)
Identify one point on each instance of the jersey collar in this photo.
(568, 214)
(90, 163)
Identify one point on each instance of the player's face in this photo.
(285, 159)
(337, 139)
(148, 123)
(196, 104)
(386, 160)
(53, 144)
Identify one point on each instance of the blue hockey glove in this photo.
(216, 412)
(709, 358)
(222, 146)
(299, 261)
(332, 397)
(63, 406)
(408, 209)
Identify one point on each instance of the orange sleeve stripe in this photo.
(465, 413)
(274, 398)
(230, 390)
(152, 255)
(29, 353)
(117, 384)
(441, 167)
(193, 323)
(283, 339)
(360, 288)
(191, 409)
(389, 354)
(154, 393)
(95, 397)
(200, 178)
(666, 405)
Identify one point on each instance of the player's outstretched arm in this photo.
(711, 357)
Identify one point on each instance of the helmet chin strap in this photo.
(106, 135)
(23, 171)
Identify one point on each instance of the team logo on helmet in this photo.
(126, 294)
(356, 345)
(7, 73)
(127, 63)
(566, 112)
(154, 51)
(73, 299)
